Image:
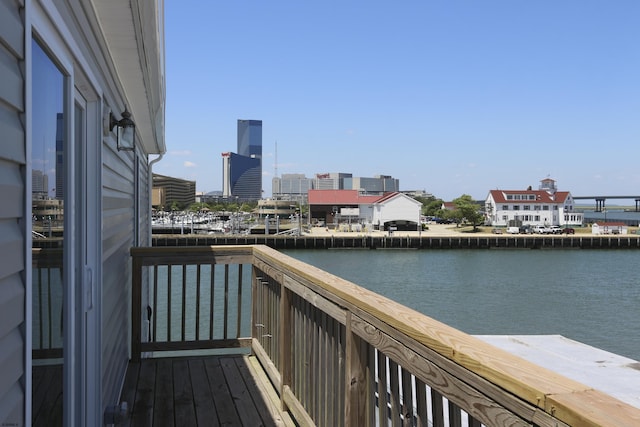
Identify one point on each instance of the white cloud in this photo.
(188, 164)
(180, 153)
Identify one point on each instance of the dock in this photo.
(408, 241)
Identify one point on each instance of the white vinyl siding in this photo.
(13, 226)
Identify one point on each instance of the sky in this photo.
(450, 97)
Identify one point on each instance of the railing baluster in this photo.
(49, 310)
(198, 278)
(394, 397)
(212, 300)
(383, 408)
(225, 318)
(422, 418)
(313, 368)
(285, 342)
(184, 302)
(407, 398)
(437, 409)
(41, 307)
(239, 311)
(455, 416)
(356, 386)
(169, 273)
(155, 304)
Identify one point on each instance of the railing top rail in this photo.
(566, 399)
(193, 254)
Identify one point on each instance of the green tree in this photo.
(468, 210)
(434, 208)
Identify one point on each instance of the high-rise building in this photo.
(250, 138)
(242, 171)
(292, 186)
(378, 185)
(180, 191)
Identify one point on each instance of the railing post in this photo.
(356, 385)
(285, 342)
(136, 302)
(254, 306)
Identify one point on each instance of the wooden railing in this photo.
(47, 303)
(339, 354)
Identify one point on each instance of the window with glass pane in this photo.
(48, 204)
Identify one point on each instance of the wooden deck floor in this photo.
(199, 391)
(47, 396)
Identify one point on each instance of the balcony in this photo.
(322, 351)
(337, 354)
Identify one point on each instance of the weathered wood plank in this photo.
(422, 418)
(227, 414)
(47, 401)
(195, 345)
(356, 384)
(285, 341)
(142, 411)
(439, 380)
(163, 405)
(203, 402)
(129, 387)
(240, 394)
(183, 394)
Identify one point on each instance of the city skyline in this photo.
(452, 99)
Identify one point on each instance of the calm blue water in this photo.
(588, 296)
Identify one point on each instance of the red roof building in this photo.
(546, 206)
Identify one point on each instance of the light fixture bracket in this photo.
(125, 131)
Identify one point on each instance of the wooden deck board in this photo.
(195, 391)
(202, 397)
(47, 399)
(163, 410)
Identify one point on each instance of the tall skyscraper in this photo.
(242, 171)
(250, 138)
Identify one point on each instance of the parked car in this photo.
(526, 229)
(513, 230)
(497, 231)
(569, 230)
(555, 229)
(540, 229)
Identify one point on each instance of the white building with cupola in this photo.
(545, 206)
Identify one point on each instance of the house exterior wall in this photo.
(119, 205)
(398, 208)
(13, 227)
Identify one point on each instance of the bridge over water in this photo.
(600, 201)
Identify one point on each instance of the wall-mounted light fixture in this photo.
(125, 131)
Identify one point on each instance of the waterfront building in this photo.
(70, 70)
(242, 171)
(292, 186)
(546, 206)
(295, 187)
(378, 185)
(276, 208)
(611, 227)
(392, 211)
(330, 181)
(168, 190)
